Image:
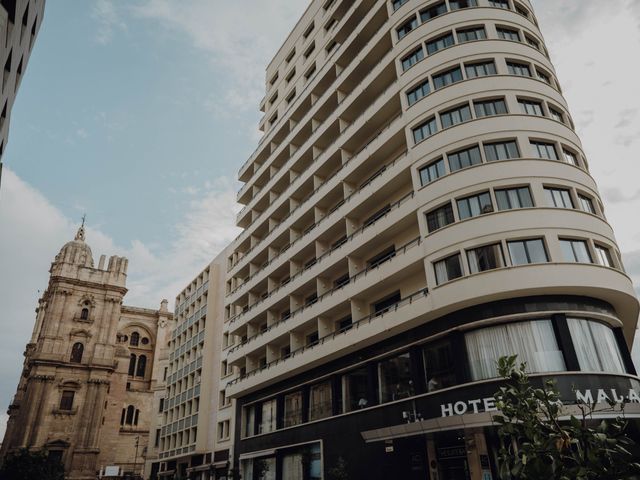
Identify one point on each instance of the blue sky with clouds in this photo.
(140, 112)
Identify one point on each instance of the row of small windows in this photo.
(450, 5)
(453, 360)
(474, 70)
(505, 199)
(521, 252)
(493, 151)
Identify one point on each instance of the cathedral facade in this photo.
(93, 370)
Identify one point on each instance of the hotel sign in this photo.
(584, 396)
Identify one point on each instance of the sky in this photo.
(140, 113)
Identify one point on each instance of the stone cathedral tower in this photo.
(87, 387)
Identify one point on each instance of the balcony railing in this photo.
(354, 326)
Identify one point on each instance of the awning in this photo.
(261, 453)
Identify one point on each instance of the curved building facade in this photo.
(420, 205)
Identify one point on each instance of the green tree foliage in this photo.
(26, 465)
(536, 444)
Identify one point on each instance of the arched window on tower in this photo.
(130, 414)
(135, 418)
(84, 315)
(132, 365)
(76, 353)
(142, 366)
(135, 339)
(123, 416)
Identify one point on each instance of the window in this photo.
(432, 12)
(464, 158)
(458, 4)
(475, 205)
(310, 72)
(440, 43)
(487, 108)
(292, 53)
(309, 50)
(407, 27)
(320, 401)
(596, 346)
(447, 78)
(268, 423)
(521, 10)
(440, 217)
(161, 406)
(603, 254)
(440, 362)
(532, 41)
(394, 378)
(508, 34)
(499, 3)
(525, 252)
(545, 150)
(480, 69)
(398, 3)
(543, 76)
(531, 107)
(501, 151)
(413, 58)
(575, 251)
(556, 114)
(520, 69)
(341, 281)
(249, 420)
(135, 339)
(312, 338)
(386, 254)
(76, 353)
(383, 305)
(84, 314)
(418, 92)
(66, 400)
(345, 324)
(471, 34)
(485, 258)
(455, 116)
(586, 204)
(448, 269)
(142, 366)
(425, 130)
(432, 171)
(558, 197)
(534, 343)
(308, 31)
(132, 365)
(510, 198)
(570, 157)
(354, 390)
(293, 409)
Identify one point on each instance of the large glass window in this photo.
(559, 197)
(501, 151)
(425, 130)
(455, 116)
(439, 43)
(458, 4)
(433, 12)
(470, 34)
(320, 401)
(413, 58)
(418, 92)
(249, 420)
(596, 346)
(432, 171)
(447, 78)
(531, 107)
(510, 198)
(603, 254)
(534, 343)
(485, 258)
(475, 205)
(407, 27)
(448, 269)
(499, 3)
(508, 34)
(464, 158)
(487, 108)
(268, 423)
(524, 252)
(570, 157)
(520, 69)
(575, 251)
(439, 362)
(481, 69)
(586, 204)
(354, 390)
(302, 463)
(394, 378)
(545, 150)
(440, 217)
(293, 409)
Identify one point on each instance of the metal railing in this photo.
(354, 326)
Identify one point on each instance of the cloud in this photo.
(239, 37)
(105, 14)
(33, 231)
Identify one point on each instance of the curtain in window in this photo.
(533, 342)
(293, 409)
(320, 402)
(292, 467)
(268, 416)
(596, 346)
